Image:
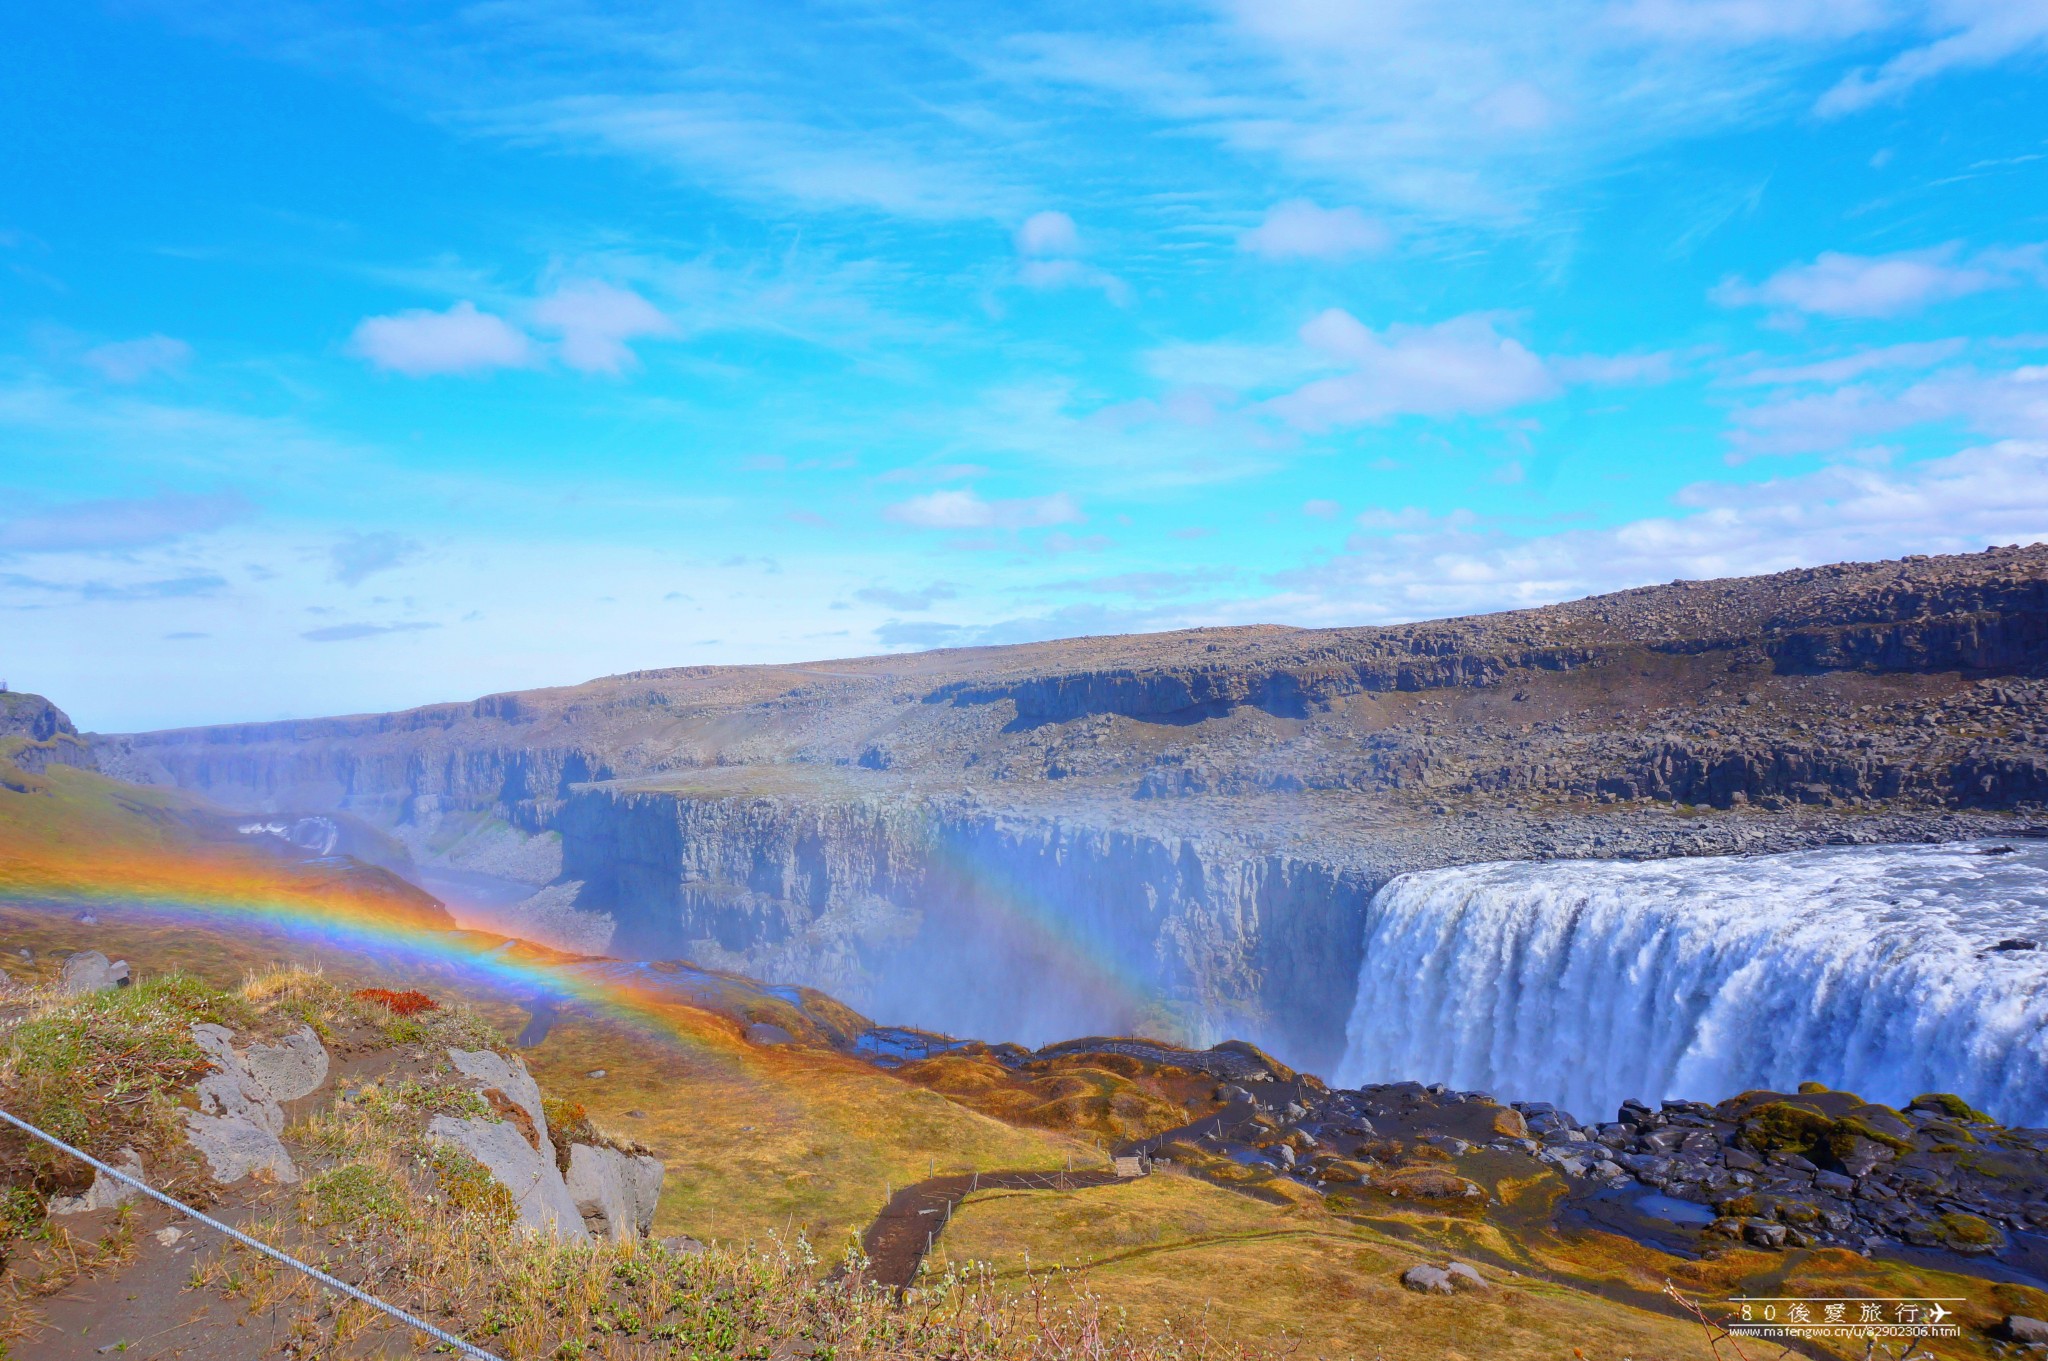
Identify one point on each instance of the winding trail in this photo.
(910, 1224)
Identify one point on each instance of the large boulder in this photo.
(514, 1158)
(1428, 1280)
(614, 1192)
(90, 971)
(515, 1145)
(2020, 1328)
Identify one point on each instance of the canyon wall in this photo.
(979, 923)
(1180, 832)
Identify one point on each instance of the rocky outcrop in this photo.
(35, 735)
(615, 1192)
(240, 1114)
(607, 1193)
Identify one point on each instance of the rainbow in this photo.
(390, 934)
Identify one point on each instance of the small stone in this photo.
(683, 1247)
(170, 1237)
(105, 1192)
(595, 1073)
(766, 1033)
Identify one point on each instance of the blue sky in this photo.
(360, 355)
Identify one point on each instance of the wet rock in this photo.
(90, 971)
(616, 1193)
(104, 1193)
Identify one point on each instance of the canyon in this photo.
(1178, 834)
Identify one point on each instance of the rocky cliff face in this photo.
(35, 734)
(1180, 831)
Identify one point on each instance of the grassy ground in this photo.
(424, 1227)
(1174, 1250)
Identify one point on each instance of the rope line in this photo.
(466, 1348)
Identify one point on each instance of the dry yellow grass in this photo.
(1174, 1251)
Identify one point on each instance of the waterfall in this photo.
(1870, 969)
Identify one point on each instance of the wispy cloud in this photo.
(120, 523)
(2011, 405)
(1972, 34)
(360, 556)
(1837, 284)
(1841, 369)
(166, 588)
(131, 361)
(966, 509)
(346, 633)
(908, 601)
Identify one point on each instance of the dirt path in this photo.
(910, 1224)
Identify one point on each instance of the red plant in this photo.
(398, 1003)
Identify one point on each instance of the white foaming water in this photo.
(1586, 982)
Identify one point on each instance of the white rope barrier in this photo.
(466, 1348)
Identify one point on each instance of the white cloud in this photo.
(1453, 368)
(966, 509)
(1423, 567)
(1047, 234)
(130, 361)
(1321, 509)
(2010, 405)
(596, 320)
(1918, 354)
(1300, 228)
(418, 342)
(1841, 285)
(1974, 34)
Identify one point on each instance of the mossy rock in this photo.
(1951, 1105)
(1969, 1233)
(1812, 1088)
(1795, 1127)
(1781, 1127)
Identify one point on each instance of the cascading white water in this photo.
(1871, 969)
